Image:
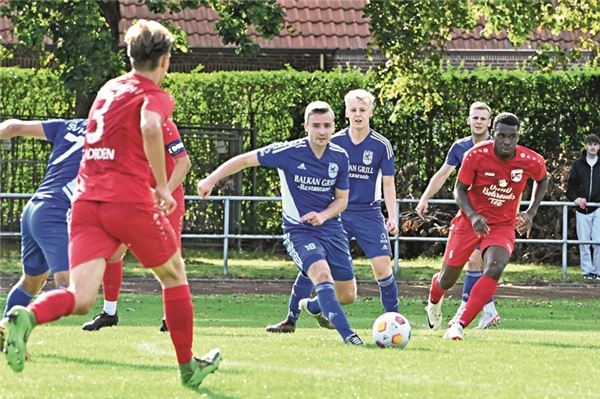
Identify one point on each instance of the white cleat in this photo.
(488, 320)
(455, 332)
(459, 311)
(434, 314)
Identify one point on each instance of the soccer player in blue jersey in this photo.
(44, 237)
(371, 166)
(479, 121)
(314, 185)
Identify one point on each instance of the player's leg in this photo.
(301, 289)
(388, 288)
(154, 243)
(111, 286)
(24, 290)
(584, 229)
(595, 236)
(461, 243)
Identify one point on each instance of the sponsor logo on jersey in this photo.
(502, 183)
(332, 170)
(516, 175)
(490, 174)
(367, 157)
(302, 166)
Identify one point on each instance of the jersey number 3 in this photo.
(98, 120)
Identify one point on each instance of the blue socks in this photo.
(332, 309)
(470, 280)
(388, 292)
(301, 289)
(17, 296)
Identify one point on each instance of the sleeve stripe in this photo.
(385, 142)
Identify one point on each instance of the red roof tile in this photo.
(314, 24)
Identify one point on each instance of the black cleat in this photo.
(163, 326)
(354, 339)
(285, 326)
(101, 320)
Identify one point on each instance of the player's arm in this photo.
(435, 184)
(182, 167)
(14, 127)
(152, 135)
(389, 196)
(230, 167)
(337, 206)
(525, 219)
(478, 222)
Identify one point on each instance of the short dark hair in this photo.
(506, 118)
(147, 41)
(592, 138)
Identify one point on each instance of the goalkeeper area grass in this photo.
(542, 349)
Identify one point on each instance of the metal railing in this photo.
(226, 235)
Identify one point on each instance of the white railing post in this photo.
(565, 233)
(225, 236)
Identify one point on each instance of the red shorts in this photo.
(462, 240)
(97, 229)
(176, 220)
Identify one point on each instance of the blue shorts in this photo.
(368, 227)
(305, 249)
(44, 238)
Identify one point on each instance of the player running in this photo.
(488, 191)
(114, 203)
(371, 164)
(314, 184)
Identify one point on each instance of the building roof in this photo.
(312, 24)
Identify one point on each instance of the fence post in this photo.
(226, 236)
(565, 232)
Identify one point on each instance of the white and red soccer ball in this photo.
(391, 330)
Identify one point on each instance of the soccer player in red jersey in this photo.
(178, 164)
(115, 203)
(488, 192)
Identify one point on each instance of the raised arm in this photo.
(230, 167)
(14, 127)
(435, 184)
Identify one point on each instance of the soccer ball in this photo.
(391, 330)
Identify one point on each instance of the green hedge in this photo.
(557, 110)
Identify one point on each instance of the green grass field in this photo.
(542, 349)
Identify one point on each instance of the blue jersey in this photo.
(308, 183)
(369, 161)
(67, 138)
(458, 149)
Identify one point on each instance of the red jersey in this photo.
(114, 167)
(174, 149)
(497, 185)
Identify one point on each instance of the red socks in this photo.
(52, 305)
(435, 292)
(483, 290)
(179, 314)
(111, 281)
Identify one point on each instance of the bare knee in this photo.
(61, 279)
(347, 298)
(172, 273)
(34, 284)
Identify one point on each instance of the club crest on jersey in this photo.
(516, 175)
(502, 183)
(332, 170)
(367, 157)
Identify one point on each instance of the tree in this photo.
(413, 34)
(85, 34)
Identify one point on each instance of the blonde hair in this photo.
(147, 41)
(317, 107)
(480, 105)
(360, 94)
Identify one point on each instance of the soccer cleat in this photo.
(434, 314)
(163, 326)
(101, 320)
(354, 339)
(3, 332)
(285, 326)
(488, 320)
(321, 319)
(20, 323)
(458, 313)
(193, 373)
(455, 332)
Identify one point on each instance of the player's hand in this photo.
(524, 223)
(204, 187)
(313, 218)
(421, 208)
(581, 202)
(163, 200)
(391, 226)
(480, 225)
